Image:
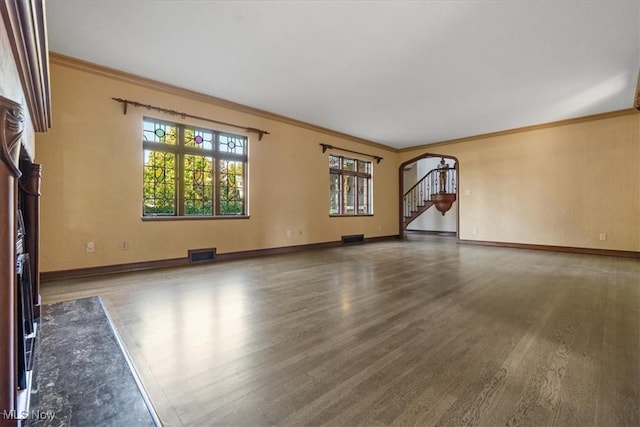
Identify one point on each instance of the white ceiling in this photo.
(401, 73)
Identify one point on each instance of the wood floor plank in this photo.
(417, 332)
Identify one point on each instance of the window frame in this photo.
(180, 150)
(357, 175)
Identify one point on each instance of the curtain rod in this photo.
(326, 147)
(128, 102)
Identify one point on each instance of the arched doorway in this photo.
(411, 170)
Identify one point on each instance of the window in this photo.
(190, 171)
(349, 186)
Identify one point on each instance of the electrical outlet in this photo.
(474, 230)
(124, 245)
(288, 233)
(89, 247)
(603, 236)
(467, 192)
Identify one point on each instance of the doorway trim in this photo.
(401, 231)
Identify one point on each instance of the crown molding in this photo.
(27, 31)
(591, 118)
(89, 67)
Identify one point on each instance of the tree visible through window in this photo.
(349, 186)
(190, 171)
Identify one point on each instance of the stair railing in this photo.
(418, 195)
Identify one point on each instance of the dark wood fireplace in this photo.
(25, 109)
(19, 284)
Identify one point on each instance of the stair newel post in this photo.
(452, 180)
(434, 183)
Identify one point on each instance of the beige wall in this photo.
(560, 186)
(11, 88)
(92, 173)
(410, 177)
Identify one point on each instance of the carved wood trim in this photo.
(11, 128)
(11, 121)
(26, 28)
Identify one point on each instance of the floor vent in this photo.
(354, 238)
(202, 255)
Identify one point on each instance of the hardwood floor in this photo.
(418, 332)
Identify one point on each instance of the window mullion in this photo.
(359, 181)
(343, 200)
(180, 171)
(216, 174)
(342, 193)
(356, 197)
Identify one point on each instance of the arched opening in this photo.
(411, 171)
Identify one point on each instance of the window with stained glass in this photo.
(349, 186)
(190, 171)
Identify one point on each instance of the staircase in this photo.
(438, 187)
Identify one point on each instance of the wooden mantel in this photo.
(26, 28)
(24, 24)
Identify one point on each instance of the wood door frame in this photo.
(401, 230)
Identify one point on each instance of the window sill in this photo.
(192, 218)
(349, 215)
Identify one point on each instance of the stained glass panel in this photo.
(334, 162)
(197, 138)
(159, 183)
(349, 186)
(364, 167)
(161, 132)
(232, 144)
(231, 187)
(363, 196)
(348, 194)
(348, 164)
(198, 185)
(210, 167)
(334, 194)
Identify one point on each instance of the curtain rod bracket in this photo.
(261, 133)
(326, 147)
